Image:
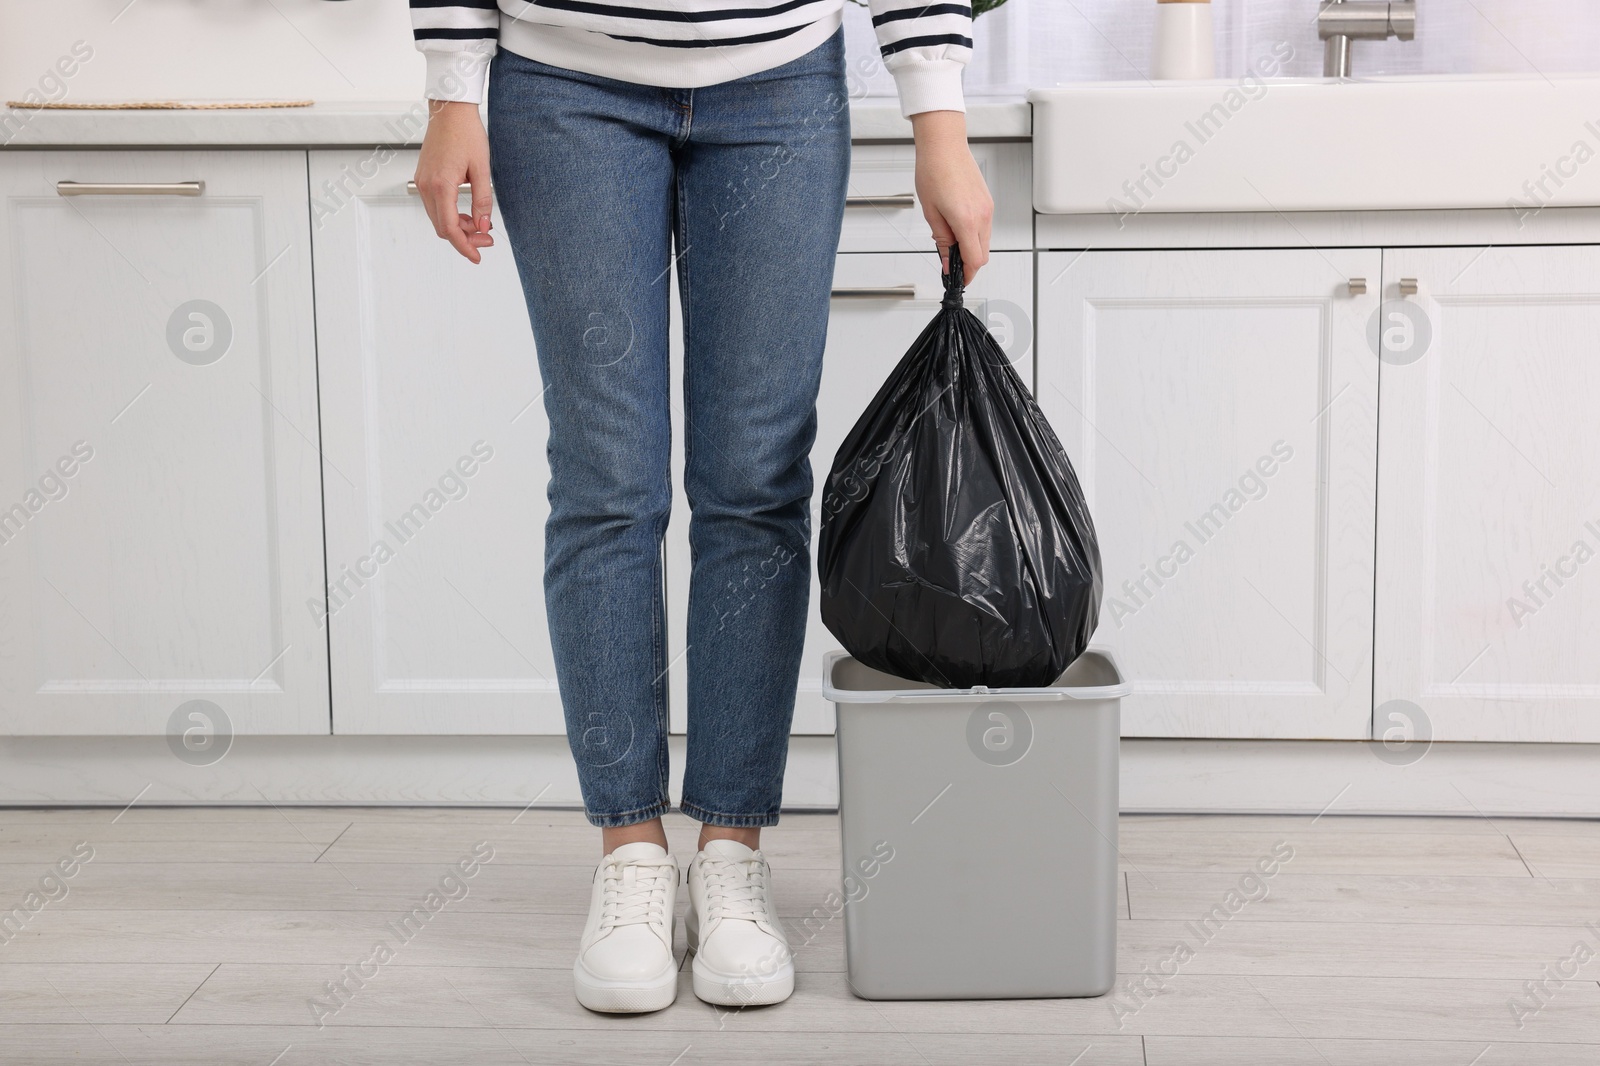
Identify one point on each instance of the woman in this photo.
(626, 140)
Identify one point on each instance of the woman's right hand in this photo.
(455, 150)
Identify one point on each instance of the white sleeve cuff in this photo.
(457, 75)
(929, 85)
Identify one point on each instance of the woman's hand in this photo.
(455, 150)
(954, 198)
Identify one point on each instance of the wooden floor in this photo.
(221, 936)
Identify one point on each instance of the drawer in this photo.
(883, 214)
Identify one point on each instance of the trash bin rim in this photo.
(1114, 691)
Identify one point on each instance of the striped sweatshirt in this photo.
(687, 43)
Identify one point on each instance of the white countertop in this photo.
(392, 123)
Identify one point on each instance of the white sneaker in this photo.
(741, 956)
(625, 962)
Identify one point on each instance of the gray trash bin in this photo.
(979, 833)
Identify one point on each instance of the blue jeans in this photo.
(597, 180)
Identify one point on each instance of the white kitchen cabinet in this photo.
(868, 333)
(162, 518)
(1488, 610)
(883, 214)
(1220, 409)
(435, 470)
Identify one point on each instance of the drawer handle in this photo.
(876, 292)
(130, 188)
(904, 199)
(901, 199)
(411, 189)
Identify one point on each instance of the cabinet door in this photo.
(868, 333)
(1488, 614)
(160, 511)
(435, 468)
(1220, 408)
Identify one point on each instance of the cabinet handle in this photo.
(876, 292)
(1408, 286)
(899, 199)
(1358, 286)
(411, 188)
(130, 188)
(904, 199)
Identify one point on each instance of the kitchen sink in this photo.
(1317, 144)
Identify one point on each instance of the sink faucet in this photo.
(1341, 21)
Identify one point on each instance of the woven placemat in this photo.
(157, 105)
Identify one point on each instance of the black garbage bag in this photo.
(956, 546)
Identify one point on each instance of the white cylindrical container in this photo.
(1183, 47)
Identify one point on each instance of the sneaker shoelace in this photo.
(736, 889)
(635, 893)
